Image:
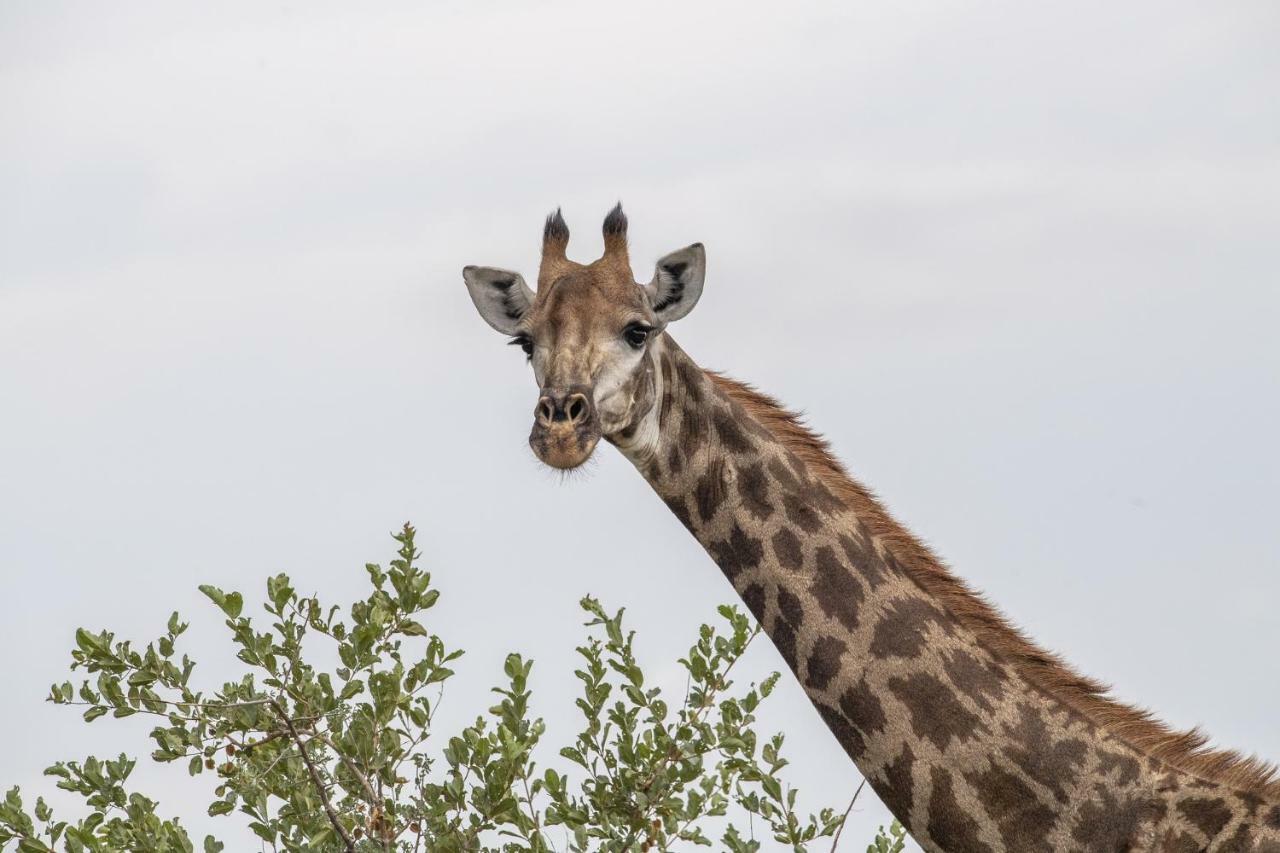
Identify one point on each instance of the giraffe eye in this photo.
(636, 334)
(524, 342)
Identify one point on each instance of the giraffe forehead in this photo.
(584, 301)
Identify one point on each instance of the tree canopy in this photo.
(347, 758)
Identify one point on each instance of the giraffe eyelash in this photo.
(524, 342)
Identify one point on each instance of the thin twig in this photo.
(217, 706)
(845, 819)
(315, 778)
(249, 747)
(211, 706)
(351, 766)
(258, 776)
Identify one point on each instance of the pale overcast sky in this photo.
(1017, 261)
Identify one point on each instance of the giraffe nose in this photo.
(561, 407)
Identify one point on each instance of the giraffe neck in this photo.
(963, 748)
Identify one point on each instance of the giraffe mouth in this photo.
(564, 445)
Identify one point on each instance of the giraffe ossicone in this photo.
(978, 740)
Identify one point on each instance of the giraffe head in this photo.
(589, 333)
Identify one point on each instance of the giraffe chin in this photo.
(563, 446)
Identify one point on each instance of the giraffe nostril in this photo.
(546, 411)
(559, 408)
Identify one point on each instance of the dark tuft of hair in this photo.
(615, 224)
(555, 230)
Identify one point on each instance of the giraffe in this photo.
(978, 740)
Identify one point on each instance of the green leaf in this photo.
(279, 590)
(233, 605)
(215, 595)
(219, 807)
(87, 642)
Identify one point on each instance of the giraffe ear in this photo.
(677, 283)
(501, 296)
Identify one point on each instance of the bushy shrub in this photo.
(349, 759)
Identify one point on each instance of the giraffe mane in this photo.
(1187, 751)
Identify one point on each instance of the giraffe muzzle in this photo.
(565, 427)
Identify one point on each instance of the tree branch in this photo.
(353, 769)
(315, 778)
(845, 819)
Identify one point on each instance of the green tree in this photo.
(348, 759)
